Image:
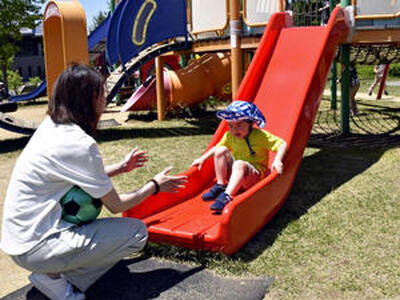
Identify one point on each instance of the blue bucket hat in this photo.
(242, 110)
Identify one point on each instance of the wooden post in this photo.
(160, 89)
(282, 5)
(354, 4)
(236, 51)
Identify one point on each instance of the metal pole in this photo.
(333, 72)
(345, 104)
(345, 60)
(236, 51)
(333, 85)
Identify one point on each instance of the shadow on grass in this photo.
(34, 102)
(198, 127)
(137, 278)
(204, 122)
(319, 174)
(124, 282)
(11, 145)
(377, 126)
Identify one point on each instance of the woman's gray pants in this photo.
(82, 254)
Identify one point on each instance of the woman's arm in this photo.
(163, 183)
(135, 159)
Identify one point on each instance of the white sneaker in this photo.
(55, 289)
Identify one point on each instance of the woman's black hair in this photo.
(73, 97)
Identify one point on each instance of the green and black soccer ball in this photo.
(78, 207)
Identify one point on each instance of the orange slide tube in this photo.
(64, 37)
(209, 75)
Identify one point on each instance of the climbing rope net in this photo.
(372, 54)
(309, 12)
(312, 13)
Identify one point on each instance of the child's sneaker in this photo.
(220, 203)
(55, 289)
(214, 192)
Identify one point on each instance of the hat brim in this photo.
(232, 116)
(228, 115)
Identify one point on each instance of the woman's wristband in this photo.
(157, 186)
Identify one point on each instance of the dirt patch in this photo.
(12, 276)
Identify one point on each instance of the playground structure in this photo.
(286, 85)
(209, 75)
(225, 28)
(65, 41)
(185, 219)
(208, 29)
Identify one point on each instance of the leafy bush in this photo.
(34, 81)
(394, 70)
(14, 80)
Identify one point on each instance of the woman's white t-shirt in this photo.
(56, 158)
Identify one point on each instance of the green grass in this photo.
(336, 236)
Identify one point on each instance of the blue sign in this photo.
(143, 23)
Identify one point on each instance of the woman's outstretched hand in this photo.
(170, 184)
(135, 159)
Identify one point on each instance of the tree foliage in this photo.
(97, 20)
(101, 16)
(14, 81)
(15, 15)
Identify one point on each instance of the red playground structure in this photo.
(287, 86)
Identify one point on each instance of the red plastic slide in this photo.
(285, 79)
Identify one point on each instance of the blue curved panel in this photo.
(146, 22)
(99, 34)
(112, 52)
(39, 91)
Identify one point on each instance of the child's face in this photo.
(239, 129)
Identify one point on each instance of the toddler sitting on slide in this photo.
(241, 156)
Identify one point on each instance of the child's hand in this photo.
(198, 162)
(135, 159)
(278, 166)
